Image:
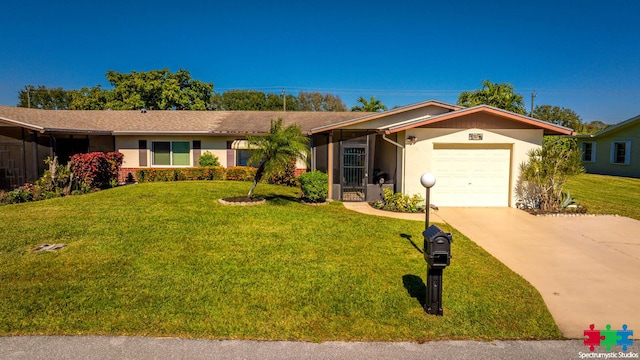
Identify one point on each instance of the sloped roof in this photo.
(614, 128)
(164, 121)
(549, 128)
(377, 115)
(455, 112)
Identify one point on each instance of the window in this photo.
(621, 152)
(588, 152)
(242, 157)
(171, 153)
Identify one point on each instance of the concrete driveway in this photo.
(587, 268)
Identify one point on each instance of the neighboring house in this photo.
(473, 152)
(614, 150)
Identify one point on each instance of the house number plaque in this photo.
(475, 136)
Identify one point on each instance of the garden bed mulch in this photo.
(579, 211)
(242, 201)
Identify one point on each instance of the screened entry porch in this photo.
(362, 164)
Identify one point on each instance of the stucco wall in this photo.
(128, 145)
(602, 163)
(419, 155)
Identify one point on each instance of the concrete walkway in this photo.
(587, 268)
(143, 348)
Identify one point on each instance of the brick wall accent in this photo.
(123, 174)
(297, 172)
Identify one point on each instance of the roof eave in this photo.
(374, 116)
(154, 132)
(22, 124)
(549, 128)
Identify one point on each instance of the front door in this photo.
(354, 173)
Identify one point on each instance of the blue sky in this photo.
(584, 55)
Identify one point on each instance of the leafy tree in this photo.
(559, 116)
(274, 102)
(502, 96)
(258, 100)
(42, 97)
(241, 100)
(316, 101)
(158, 89)
(155, 89)
(95, 98)
(543, 177)
(276, 150)
(593, 127)
(373, 105)
(333, 103)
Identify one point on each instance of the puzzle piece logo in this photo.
(623, 338)
(608, 338)
(594, 337)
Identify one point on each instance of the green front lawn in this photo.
(604, 194)
(165, 259)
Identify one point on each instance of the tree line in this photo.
(164, 90)
(503, 96)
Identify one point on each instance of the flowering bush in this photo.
(398, 202)
(97, 170)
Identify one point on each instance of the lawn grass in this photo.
(165, 259)
(603, 194)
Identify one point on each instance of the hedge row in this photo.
(241, 173)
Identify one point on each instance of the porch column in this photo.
(34, 155)
(330, 163)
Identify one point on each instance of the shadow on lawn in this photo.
(416, 288)
(408, 237)
(280, 199)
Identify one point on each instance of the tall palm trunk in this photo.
(257, 178)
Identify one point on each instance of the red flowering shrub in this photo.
(97, 170)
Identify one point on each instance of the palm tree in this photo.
(278, 148)
(502, 96)
(373, 105)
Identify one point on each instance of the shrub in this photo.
(398, 202)
(314, 186)
(208, 159)
(241, 173)
(285, 176)
(542, 178)
(96, 169)
(201, 173)
(58, 179)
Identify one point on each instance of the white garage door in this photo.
(471, 177)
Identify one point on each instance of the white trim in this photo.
(627, 152)
(170, 141)
(593, 152)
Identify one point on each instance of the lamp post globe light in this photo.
(437, 254)
(427, 180)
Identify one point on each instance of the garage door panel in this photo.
(471, 177)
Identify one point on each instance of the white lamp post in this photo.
(427, 180)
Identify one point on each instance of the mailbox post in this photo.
(437, 254)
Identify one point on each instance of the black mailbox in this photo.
(437, 247)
